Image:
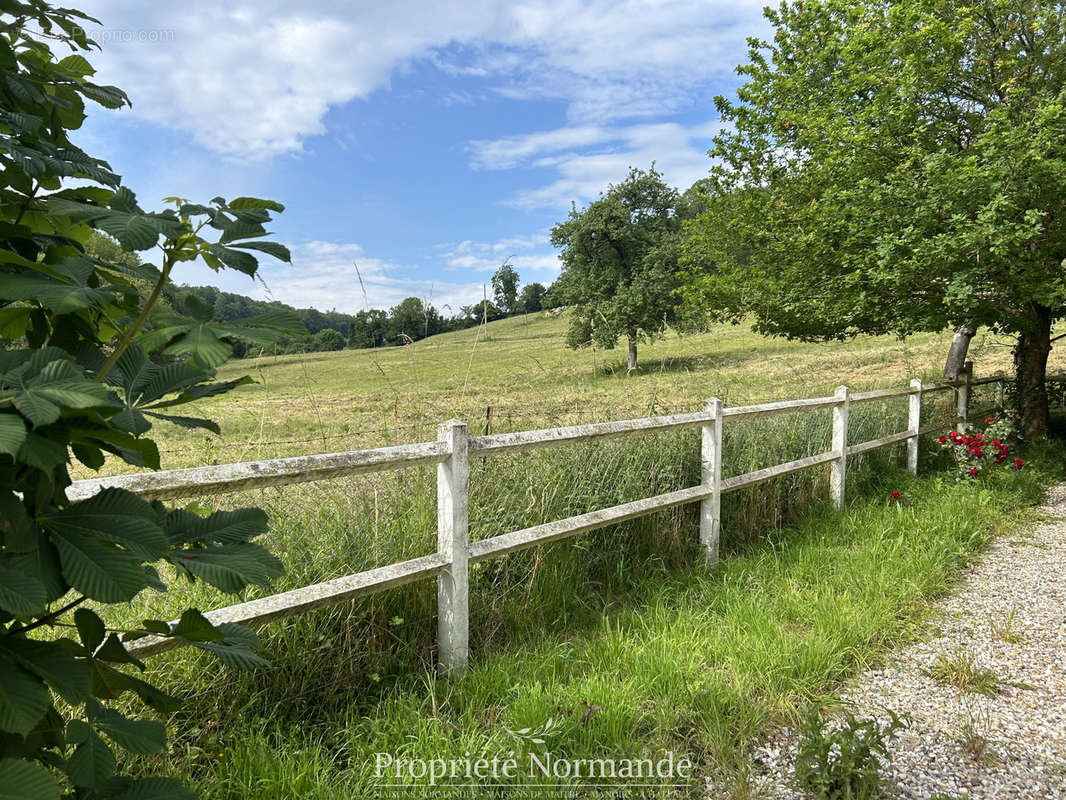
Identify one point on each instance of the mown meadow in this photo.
(621, 641)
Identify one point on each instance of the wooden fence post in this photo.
(914, 424)
(963, 398)
(453, 589)
(999, 393)
(839, 468)
(711, 457)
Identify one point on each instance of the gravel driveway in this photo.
(992, 724)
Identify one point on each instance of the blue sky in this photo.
(424, 142)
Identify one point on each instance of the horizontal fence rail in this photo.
(451, 453)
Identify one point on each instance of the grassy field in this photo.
(521, 367)
(622, 638)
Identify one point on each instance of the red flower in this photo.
(973, 472)
(1018, 463)
(995, 443)
(943, 439)
(988, 419)
(895, 494)
(979, 436)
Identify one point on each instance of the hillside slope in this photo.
(522, 368)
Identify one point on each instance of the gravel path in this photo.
(1008, 618)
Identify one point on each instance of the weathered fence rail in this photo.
(452, 451)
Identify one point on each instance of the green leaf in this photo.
(197, 308)
(255, 202)
(92, 457)
(19, 535)
(116, 653)
(279, 251)
(24, 780)
(107, 96)
(229, 567)
(109, 682)
(139, 452)
(233, 656)
(202, 391)
(76, 65)
(113, 515)
(14, 322)
(91, 628)
(142, 737)
(42, 453)
(223, 527)
(74, 210)
(235, 259)
(136, 231)
(42, 563)
(20, 594)
(201, 343)
(12, 433)
(92, 764)
(41, 395)
(188, 422)
(55, 295)
(156, 789)
(99, 571)
(52, 663)
(195, 627)
(24, 699)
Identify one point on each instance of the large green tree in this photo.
(89, 361)
(893, 167)
(620, 263)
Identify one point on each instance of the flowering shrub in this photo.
(977, 450)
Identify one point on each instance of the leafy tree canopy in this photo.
(620, 263)
(892, 167)
(531, 298)
(89, 361)
(505, 288)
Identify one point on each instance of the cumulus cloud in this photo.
(253, 81)
(603, 157)
(341, 276)
(486, 257)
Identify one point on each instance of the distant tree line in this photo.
(409, 321)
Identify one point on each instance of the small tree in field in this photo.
(505, 288)
(620, 257)
(893, 167)
(89, 361)
(531, 298)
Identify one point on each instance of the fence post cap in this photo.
(916, 383)
(842, 391)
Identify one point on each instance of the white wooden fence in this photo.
(452, 451)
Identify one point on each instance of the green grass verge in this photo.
(695, 661)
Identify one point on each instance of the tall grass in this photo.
(626, 619)
(697, 661)
(676, 656)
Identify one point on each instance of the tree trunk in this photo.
(632, 353)
(1030, 363)
(960, 346)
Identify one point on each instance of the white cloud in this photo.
(253, 81)
(679, 152)
(486, 257)
(326, 275)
